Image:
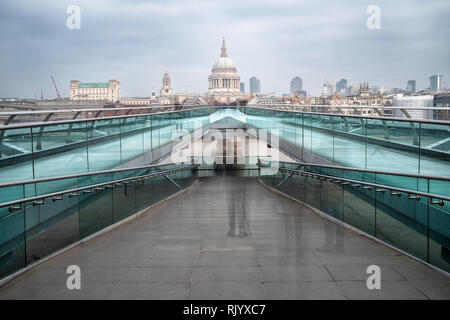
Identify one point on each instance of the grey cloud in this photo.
(136, 41)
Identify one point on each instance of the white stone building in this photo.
(224, 76)
(166, 89)
(106, 91)
(224, 81)
(223, 84)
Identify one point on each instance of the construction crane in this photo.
(54, 83)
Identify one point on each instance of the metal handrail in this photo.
(269, 107)
(344, 106)
(39, 200)
(378, 187)
(57, 122)
(264, 107)
(395, 173)
(45, 111)
(9, 184)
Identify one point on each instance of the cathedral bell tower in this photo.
(166, 88)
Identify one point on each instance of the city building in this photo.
(411, 86)
(436, 82)
(364, 90)
(296, 85)
(166, 95)
(353, 90)
(166, 89)
(224, 77)
(364, 95)
(255, 85)
(325, 89)
(330, 89)
(224, 86)
(374, 90)
(442, 100)
(341, 87)
(396, 91)
(135, 101)
(106, 91)
(366, 100)
(302, 93)
(424, 101)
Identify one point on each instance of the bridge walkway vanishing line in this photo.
(230, 238)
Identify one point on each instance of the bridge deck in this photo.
(230, 238)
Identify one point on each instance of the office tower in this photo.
(436, 82)
(341, 86)
(325, 92)
(302, 93)
(296, 85)
(330, 89)
(411, 86)
(255, 85)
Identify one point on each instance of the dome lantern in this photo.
(224, 49)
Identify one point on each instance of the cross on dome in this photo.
(224, 49)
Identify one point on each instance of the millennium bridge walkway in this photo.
(346, 193)
(230, 238)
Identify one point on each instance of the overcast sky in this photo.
(135, 41)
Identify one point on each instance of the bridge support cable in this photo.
(171, 180)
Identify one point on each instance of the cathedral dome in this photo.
(224, 63)
(224, 77)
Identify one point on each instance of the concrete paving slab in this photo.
(230, 238)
